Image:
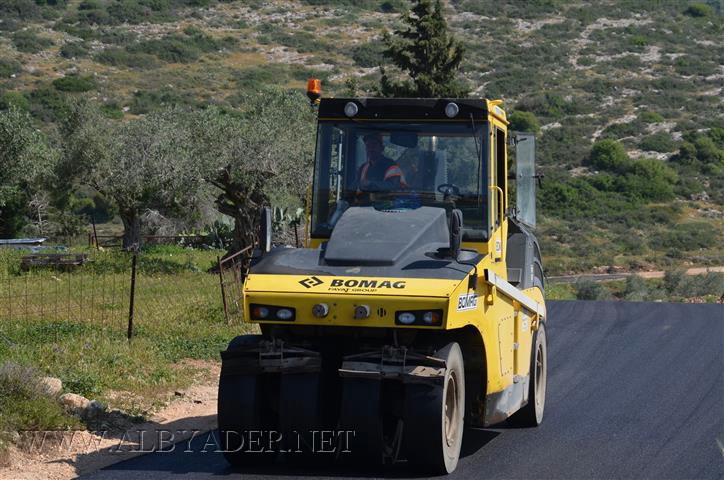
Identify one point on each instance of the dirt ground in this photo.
(58, 456)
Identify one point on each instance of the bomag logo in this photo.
(364, 286)
(310, 282)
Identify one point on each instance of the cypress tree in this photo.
(426, 52)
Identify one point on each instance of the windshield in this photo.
(397, 166)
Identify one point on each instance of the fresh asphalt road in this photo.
(635, 390)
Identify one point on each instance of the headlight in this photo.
(351, 109)
(406, 318)
(419, 317)
(431, 318)
(271, 312)
(451, 109)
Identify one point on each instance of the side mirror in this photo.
(456, 232)
(265, 230)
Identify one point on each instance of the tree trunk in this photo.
(131, 229)
(242, 203)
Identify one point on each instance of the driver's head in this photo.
(374, 145)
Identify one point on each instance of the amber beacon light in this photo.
(314, 90)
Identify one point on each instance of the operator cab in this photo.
(439, 147)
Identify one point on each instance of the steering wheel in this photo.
(448, 189)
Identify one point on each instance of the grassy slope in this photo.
(178, 316)
(588, 69)
(640, 72)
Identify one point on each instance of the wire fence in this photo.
(110, 299)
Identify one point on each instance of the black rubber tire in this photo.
(361, 414)
(531, 415)
(432, 442)
(301, 418)
(240, 409)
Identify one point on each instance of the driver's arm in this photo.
(394, 178)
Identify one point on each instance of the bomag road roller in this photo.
(416, 307)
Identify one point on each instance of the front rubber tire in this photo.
(240, 410)
(434, 417)
(531, 415)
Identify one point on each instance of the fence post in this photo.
(223, 293)
(95, 233)
(133, 294)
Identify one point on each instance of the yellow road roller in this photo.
(415, 308)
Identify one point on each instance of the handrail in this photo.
(501, 213)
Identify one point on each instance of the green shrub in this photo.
(112, 110)
(119, 57)
(590, 290)
(707, 148)
(673, 279)
(25, 405)
(30, 42)
(20, 9)
(678, 284)
(368, 54)
(91, 12)
(635, 289)
(691, 65)
(658, 142)
(648, 179)
(48, 104)
(171, 50)
(392, 6)
(184, 48)
(147, 101)
(14, 100)
(699, 10)
(620, 130)
(8, 67)
(609, 155)
(524, 122)
(687, 237)
(552, 105)
(74, 83)
(650, 117)
(74, 50)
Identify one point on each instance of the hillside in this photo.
(645, 73)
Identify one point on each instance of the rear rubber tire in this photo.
(361, 413)
(301, 414)
(531, 415)
(434, 417)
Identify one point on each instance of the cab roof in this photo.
(409, 109)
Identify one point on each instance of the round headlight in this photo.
(284, 314)
(406, 318)
(431, 318)
(320, 310)
(351, 109)
(261, 312)
(361, 311)
(451, 109)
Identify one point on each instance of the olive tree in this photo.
(255, 156)
(26, 160)
(140, 165)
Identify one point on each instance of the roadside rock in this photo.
(52, 386)
(75, 402)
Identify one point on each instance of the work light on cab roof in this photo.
(314, 90)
